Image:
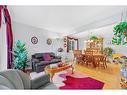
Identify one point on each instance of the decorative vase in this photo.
(60, 64)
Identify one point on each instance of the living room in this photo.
(53, 40)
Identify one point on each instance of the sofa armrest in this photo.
(33, 63)
(2, 87)
(35, 60)
(58, 57)
(40, 81)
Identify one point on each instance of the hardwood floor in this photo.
(110, 76)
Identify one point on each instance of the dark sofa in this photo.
(38, 63)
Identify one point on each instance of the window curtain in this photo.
(0, 15)
(9, 36)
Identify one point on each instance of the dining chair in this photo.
(103, 61)
(89, 58)
(78, 56)
(97, 60)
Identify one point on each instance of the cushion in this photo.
(46, 57)
(42, 63)
(6, 83)
(3, 87)
(13, 77)
(25, 79)
(40, 81)
(40, 59)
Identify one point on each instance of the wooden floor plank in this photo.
(110, 76)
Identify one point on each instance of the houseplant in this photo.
(94, 38)
(120, 33)
(108, 51)
(20, 56)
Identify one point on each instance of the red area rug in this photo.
(87, 83)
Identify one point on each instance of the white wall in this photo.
(107, 34)
(59, 43)
(24, 33)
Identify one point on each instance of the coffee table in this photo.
(52, 71)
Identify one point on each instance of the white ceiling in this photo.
(105, 32)
(66, 20)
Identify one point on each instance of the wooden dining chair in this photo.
(89, 58)
(78, 56)
(103, 61)
(97, 60)
(77, 53)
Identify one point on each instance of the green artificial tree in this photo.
(20, 56)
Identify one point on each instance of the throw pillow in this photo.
(52, 57)
(47, 57)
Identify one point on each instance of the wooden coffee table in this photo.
(52, 71)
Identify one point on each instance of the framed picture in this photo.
(49, 41)
(34, 40)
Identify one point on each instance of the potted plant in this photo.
(94, 38)
(120, 28)
(20, 56)
(108, 51)
(120, 32)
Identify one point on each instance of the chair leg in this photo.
(105, 64)
(97, 64)
(102, 65)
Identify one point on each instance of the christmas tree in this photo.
(20, 56)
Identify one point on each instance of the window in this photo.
(72, 44)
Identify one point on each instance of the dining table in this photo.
(95, 56)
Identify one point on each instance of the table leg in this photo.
(45, 71)
(72, 69)
(51, 76)
(94, 63)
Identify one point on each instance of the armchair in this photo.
(15, 79)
